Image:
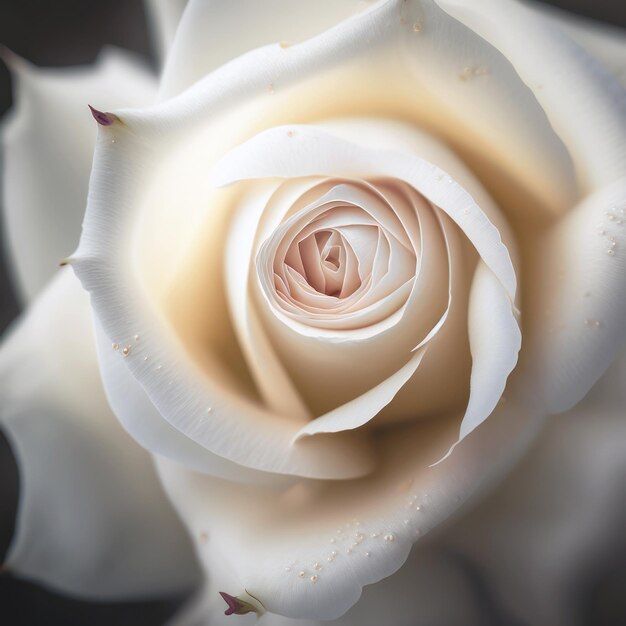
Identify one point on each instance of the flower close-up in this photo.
(338, 330)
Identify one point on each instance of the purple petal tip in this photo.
(104, 119)
(233, 604)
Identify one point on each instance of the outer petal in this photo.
(604, 42)
(417, 595)
(598, 149)
(213, 32)
(164, 17)
(307, 552)
(48, 144)
(545, 538)
(580, 260)
(576, 323)
(92, 518)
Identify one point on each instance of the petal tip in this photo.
(104, 119)
(11, 59)
(237, 605)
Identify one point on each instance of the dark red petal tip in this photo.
(238, 606)
(104, 119)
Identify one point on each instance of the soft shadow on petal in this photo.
(213, 33)
(92, 518)
(163, 19)
(48, 141)
(546, 535)
(576, 313)
(307, 551)
(570, 85)
(605, 42)
(417, 595)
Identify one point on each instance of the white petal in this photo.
(570, 85)
(48, 142)
(495, 340)
(540, 539)
(577, 309)
(260, 540)
(418, 594)
(213, 33)
(92, 518)
(238, 427)
(141, 419)
(163, 18)
(360, 410)
(269, 374)
(605, 42)
(306, 151)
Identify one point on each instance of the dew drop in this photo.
(314, 578)
(115, 346)
(417, 27)
(390, 538)
(136, 337)
(368, 554)
(127, 350)
(317, 567)
(301, 574)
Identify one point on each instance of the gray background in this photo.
(71, 32)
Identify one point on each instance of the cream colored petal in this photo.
(140, 418)
(306, 552)
(48, 142)
(92, 518)
(201, 402)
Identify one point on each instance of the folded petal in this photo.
(495, 341)
(92, 518)
(203, 401)
(300, 151)
(48, 142)
(213, 33)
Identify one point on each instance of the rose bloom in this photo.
(338, 265)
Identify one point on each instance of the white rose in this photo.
(312, 265)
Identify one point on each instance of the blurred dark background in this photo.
(71, 32)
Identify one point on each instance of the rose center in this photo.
(333, 262)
